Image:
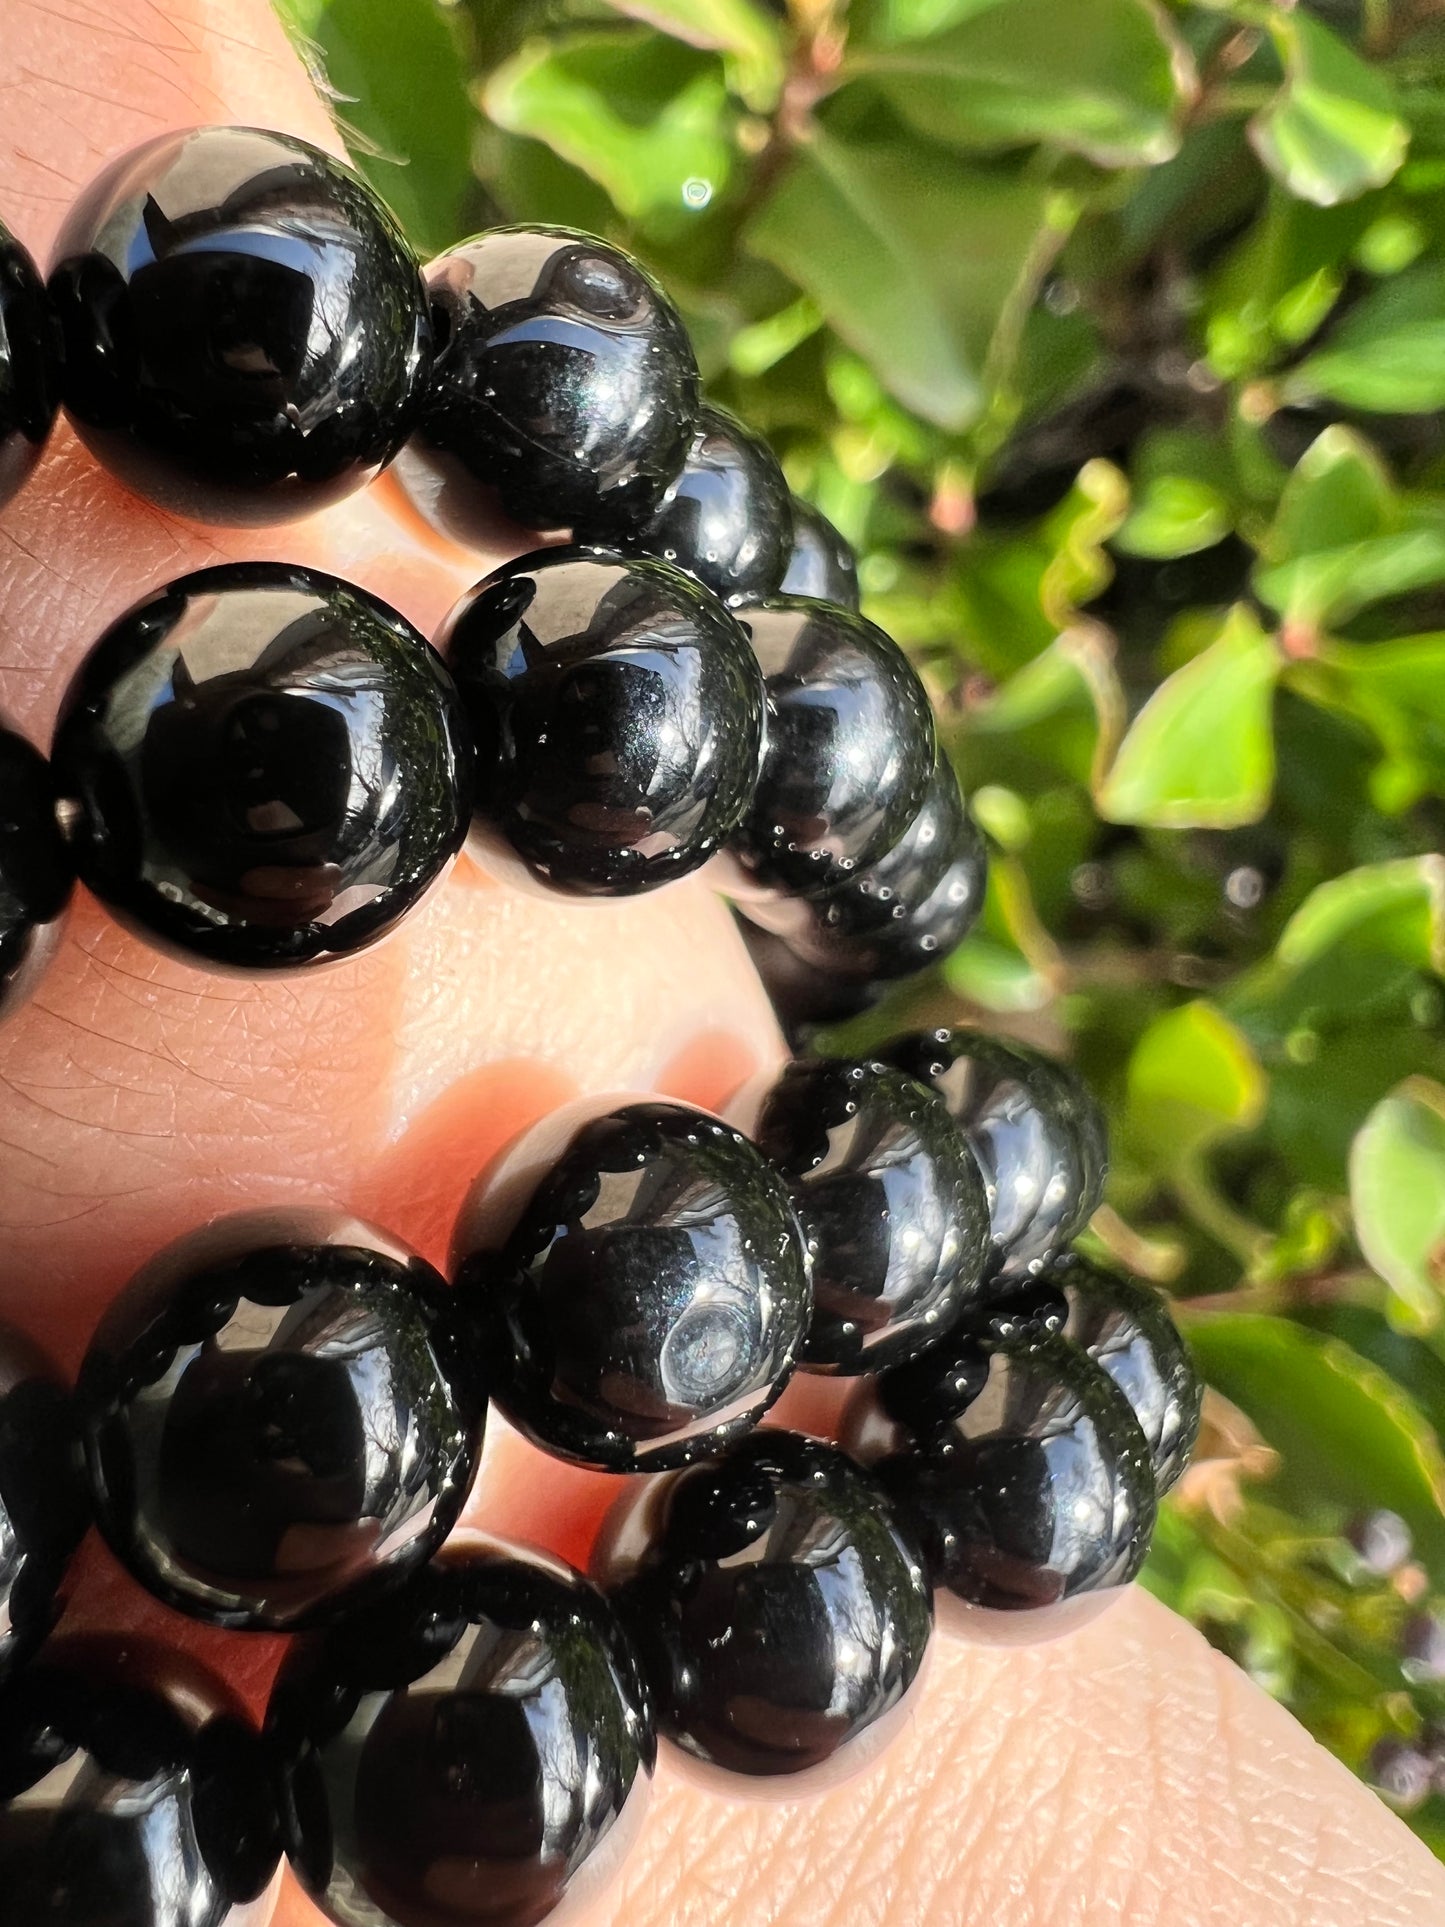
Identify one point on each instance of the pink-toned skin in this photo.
(1118, 1774)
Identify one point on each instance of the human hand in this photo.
(1120, 1773)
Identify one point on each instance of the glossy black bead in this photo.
(728, 518)
(850, 747)
(1026, 1307)
(276, 1420)
(272, 766)
(129, 1797)
(1126, 1328)
(820, 564)
(779, 1606)
(461, 1754)
(890, 1200)
(617, 713)
(29, 365)
(1020, 1464)
(649, 1303)
(245, 331)
(564, 391)
(1036, 1132)
(43, 1512)
(35, 867)
(898, 915)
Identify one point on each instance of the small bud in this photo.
(1381, 1539)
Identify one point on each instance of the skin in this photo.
(1120, 1773)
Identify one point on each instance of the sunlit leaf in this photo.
(1193, 1079)
(1387, 356)
(1397, 1194)
(737, 28)
(1333, 130)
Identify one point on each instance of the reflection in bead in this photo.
(821, 563)
(245, 331)
(779, 1607)
(1034, 1128)
(29, 365)
(459, 1754)
(272, 765)
(617, 713)
(1020, 1464)
(850, 747)
(728, 517)
(896, 916)
(276, 1420)
(1026, 1307)
(129, 1798)
(35, 868)
(891, 1202)
(1127, 1329)
(649, 1303)
(564, 392)
(42, 1505)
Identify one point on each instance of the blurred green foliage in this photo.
(1112, 334)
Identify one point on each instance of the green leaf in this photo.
(1193, 1079)
(1175, 515)
(915, 256)
(1103, 78)
(1332, 131)
(736, 28)
(1349, 1438)
(1397, 1194)
(648, 119)
(1200, 753)
(1338, 493)
(1388, 354)
(1394, 910)
(398, 71)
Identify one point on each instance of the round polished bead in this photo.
(29, 365)
(617, 713)
(35, 868)
(898, 915)
(564, 391)
(728, 517)
(779, 1606)
(648, 1301)
(1034, 1128)
(891, 1203)
(1020, 1464)
(43, 1511)
(130, 1796)
(276, 1420)
(850, 747)
(820, 564)
(272, 766)
(245, 331)
(461, 1754)
(1126, 1328)
(1030, 1306)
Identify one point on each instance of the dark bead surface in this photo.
(460, 1754)
(821, 564)
(1034, 1128)
(245, 331)
(1020, 1464)
(276, 1420)
(649, 1302)
(890, 1200)
(779, 1607)
(273, 766)
(35, 868)
(1126, 1328)
(128, 1798)
(29, 365)
(1027, 1307)
(617, 713)
(564, 391)
(43, 1512)
(728, 518)
(898, 915)
(850, 747)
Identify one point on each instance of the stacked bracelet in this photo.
(277, 1423)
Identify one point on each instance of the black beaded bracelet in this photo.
(263, 767)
